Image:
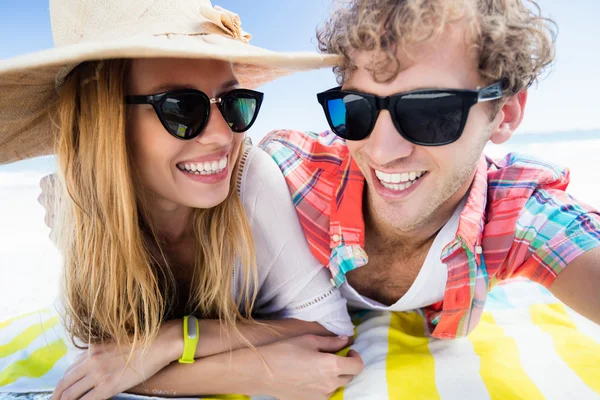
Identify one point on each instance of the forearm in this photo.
(235, 372)
(215, 338)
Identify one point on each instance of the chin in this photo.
(207, 201)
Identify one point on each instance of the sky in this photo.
(565, 100)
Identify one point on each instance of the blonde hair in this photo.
(514, 42)
(113, 287)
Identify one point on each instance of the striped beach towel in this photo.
(527, 346)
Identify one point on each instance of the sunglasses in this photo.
(184, 113)
(430, 117)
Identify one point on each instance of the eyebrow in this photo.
(431, 87)
(166, 87)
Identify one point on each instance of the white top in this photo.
(429, 285)
(292, 282)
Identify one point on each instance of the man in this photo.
(406, 212)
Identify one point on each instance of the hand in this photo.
(106, 370)
(48, 184)
(303, 368)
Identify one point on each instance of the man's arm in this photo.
(578, 285)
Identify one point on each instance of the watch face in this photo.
(191, 322)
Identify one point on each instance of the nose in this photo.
(385, 144)
(216, 132)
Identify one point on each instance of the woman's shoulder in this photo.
(259, 177)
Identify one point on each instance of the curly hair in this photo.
(513, 41)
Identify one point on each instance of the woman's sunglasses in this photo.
(184, 113)
(431, 117)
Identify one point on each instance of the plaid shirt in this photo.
(518, 221)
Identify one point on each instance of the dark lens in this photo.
(185, 114)
(434, 118)
(239, 110)
(351, 116)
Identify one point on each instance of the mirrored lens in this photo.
(239, 110)
(351, 116)
(185, 114)
(430, 118)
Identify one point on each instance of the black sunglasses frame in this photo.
(157, 100)
(469, 99)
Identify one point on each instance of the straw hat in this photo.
(86, 30)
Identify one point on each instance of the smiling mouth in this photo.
(204, 168)
(399, 181)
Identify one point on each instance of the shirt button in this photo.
(336, 238)
(478, 249)
(332, 282)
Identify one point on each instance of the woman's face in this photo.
(192, 173)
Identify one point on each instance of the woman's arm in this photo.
(298, 368)
(214, 338)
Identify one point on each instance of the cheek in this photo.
(355, 147)
(151, 145)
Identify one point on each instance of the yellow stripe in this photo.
(500, 365)
(410, 367)
(36, 365)
(4, 324)
(24, 339)
(578, 351)
(339, 394)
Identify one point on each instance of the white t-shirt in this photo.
(429, 285)
(292, 283)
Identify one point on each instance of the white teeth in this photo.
(400, 186)
(400, 181)
(204, 168)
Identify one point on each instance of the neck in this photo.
(171, 221)
(411, 238)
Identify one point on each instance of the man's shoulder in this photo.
(320, 150)
(520, 175)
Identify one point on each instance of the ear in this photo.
(510, 116)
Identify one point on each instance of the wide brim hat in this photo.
(88, 30)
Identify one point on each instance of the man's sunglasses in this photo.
(431, 117)
(184, 113)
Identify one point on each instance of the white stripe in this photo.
(457, 370)
(539, 359)
(584, 325)
(8, 333)
(372, 345)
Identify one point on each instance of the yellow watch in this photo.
(191, 332)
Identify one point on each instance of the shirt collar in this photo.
(471, 223)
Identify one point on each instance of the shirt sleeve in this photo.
(292, 283)
(553, 229)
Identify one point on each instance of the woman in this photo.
(165, 214)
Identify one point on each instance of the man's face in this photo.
(438, 177)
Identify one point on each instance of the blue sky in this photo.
(566, 100)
